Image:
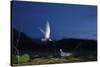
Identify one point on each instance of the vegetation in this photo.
(38, 52)
(51, 60)
(23, 58)
(46, 60)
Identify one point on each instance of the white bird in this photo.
(63, 54)
(46, 33)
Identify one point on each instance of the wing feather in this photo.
(42, 31)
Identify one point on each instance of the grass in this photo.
(50, 60)
(23, 58)
(26, 59)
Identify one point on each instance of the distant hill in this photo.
(27, 44)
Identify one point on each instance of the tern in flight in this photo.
(46, 33)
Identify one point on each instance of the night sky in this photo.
(66, 20)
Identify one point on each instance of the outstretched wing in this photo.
(42, 31)
(47, 35)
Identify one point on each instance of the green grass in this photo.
(48, 60)
(25, 59)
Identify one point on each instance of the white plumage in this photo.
(46, 33)
(64, 53)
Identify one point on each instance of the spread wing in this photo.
(42, 31)
(47, 35)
